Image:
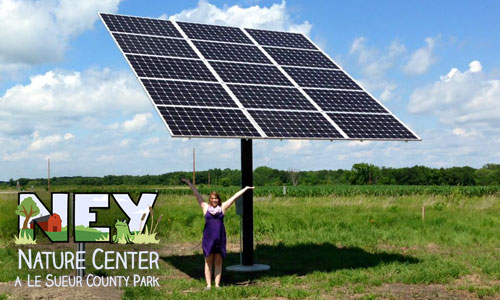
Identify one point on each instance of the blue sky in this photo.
(66, 92)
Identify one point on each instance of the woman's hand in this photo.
(249, 188)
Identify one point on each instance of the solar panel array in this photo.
(218, 81)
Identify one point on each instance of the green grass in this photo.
(316, 246)
(58, 236)
(83, 233)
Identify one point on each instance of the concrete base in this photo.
(252, 268)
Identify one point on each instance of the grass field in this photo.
(359, 246)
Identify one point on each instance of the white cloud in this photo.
(58, 99)
(42, 29)
(292, 146)
(125, 142)
(15, 156)
(138, 122)
(464, 132)
(48, 141)
(57, 156)
(274, 17)
(475, 66)
(152, 141)
(374, 66)
(359, 143)
(40, 143)
(422, 58)
(461, 98)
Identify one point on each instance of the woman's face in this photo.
(214, 200)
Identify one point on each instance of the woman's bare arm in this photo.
(197, 194)
(227, 204)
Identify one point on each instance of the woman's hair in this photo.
(216, 195)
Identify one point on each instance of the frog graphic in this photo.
(123, 234)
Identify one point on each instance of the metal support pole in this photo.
(246, 259)
(81, 247)
(247, 180)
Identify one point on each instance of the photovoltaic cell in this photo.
(371, 126)
(214, 33)
(231, 52)
(142, 44)
(280, 39)
(305, 58)
(348, 101)
(167, 92)
(207, 122)
(173, 68)
(285, 124)
(140, 25)
(247, 73)
(270, 97)
(321, 78)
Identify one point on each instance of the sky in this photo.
(67, 93)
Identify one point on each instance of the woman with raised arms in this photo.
(214, 233)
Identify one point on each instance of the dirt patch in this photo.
(420, 291)
(54, 293)
(401, 291)
(190, 249)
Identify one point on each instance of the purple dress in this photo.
(214, 235)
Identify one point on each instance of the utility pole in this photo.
(194, 167)
(48, 171)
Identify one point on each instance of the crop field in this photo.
(327, 242)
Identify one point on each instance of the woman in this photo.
(214, 233)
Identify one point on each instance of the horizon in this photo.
(207, 170)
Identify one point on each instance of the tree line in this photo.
(359, 174)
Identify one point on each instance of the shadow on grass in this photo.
(298, 260)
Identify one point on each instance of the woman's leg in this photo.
(209, 262)
(218, 268)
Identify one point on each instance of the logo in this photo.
(34, 216)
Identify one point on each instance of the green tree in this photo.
(27, 209)
(364, 173)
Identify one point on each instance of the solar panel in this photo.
(349, 101)
(292, 124)
(214, 33)
(371, 126)
(162, 67)
(249, 73)
(280, 39)
(271, 97)
(335, 79)
(167, 92)
(305, 58)
(219, 81)
(118, 23)
(140, 44)
(231, 52)
(187, 121)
